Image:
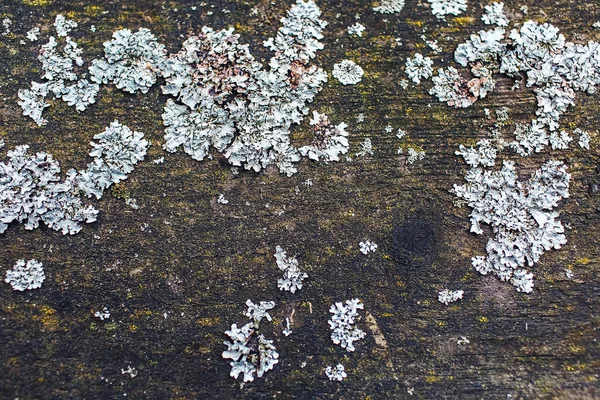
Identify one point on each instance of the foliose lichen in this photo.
(26, 275)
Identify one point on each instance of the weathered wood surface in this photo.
(183, 254)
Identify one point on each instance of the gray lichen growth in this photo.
(26, 276)
(131, 61)
(251, 353)
(494, 15)
(115, 153)
(441, 8)
(367, 247)
(336, 373)
(389, 6)
(343, 323)
(418, 68)
(554, 67)
(449, 296)
(59, 65)
(292, 275)
(347, 72)
(30, 192)
(256, 312)
(329, 141)
(520, 216)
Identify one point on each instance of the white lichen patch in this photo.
(389, 6)
(343, 323)
(33, 34)
(80, 94)
(232, 103)
(560, 140)
(26, 275)
(449, 296)
(60, 60)
(462, 341)
(450, 87)
(102, 314)
(238, 350)
(418, 68)
(222, 200)
(256, 312)
(441, 8)
(356, 29)
(131, 61)
(336, 373)
(494, 15)
(131, 371)
(432, 44)
(6, 24)
(414, 155)
(251, 354)
(520, 215)
(367, 247)
(366, 148)
(221, 96)
(347, 72)
(329, 141)
(30, 192)
(555, 68)
(287, 331)
(115, 153)
(584, 138)
(63, 25)
(483, 154)
(33, 102)
(292, 275)
(529, 138)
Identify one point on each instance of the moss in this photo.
(120, 191)
(37, 3)
(93, 10)
(415, 23)
(463, 21)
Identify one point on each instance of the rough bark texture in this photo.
(176, 272)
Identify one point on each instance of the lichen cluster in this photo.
(26, 275)
(31, 189)
(344, 331)
(222, 97)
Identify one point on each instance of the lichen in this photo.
(343, 324)
(26, 275)
(347, 72)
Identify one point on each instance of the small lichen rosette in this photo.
(26, 275)
(348, 72)
(132, 61)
